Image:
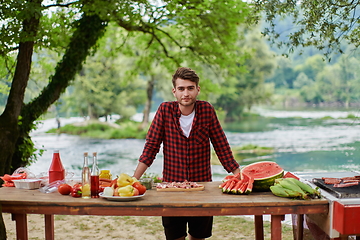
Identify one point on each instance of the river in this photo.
(302, 141)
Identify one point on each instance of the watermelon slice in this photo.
(225, 187)
(263, 173)
(231, 186)
(250, 182)
(237, 186)
(242, 187)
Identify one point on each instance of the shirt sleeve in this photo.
(154, 138)
(221, 145)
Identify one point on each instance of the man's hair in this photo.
(186, 74)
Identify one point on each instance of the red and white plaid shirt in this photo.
(187, 158)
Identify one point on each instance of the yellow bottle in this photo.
(86, 181)
(105, 174)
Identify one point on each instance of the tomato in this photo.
(64, 189)
(140, 187)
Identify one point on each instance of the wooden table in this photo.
(210, 202)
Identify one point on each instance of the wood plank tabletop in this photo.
(210, 201)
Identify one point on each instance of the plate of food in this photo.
(120, 199)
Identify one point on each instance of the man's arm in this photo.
(236, 171)
(140, 169)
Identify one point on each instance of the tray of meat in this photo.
(185, 186)
(345, 187)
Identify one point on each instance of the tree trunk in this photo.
(15, 141)
(89, 29)
(92, 112)
(147, 107)
(9, 120)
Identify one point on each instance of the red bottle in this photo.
(56, 170)
(95, 177)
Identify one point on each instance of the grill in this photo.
(344, 192)
(344, 204)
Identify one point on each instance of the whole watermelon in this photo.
(264, 174)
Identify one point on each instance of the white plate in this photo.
(120, 199)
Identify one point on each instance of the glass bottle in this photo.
(56, 170)
(85, 177)
(95, 177)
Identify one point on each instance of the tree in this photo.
(323, 24)
(284, 74)
(302, 80)
(338, 83)
(245, 87)
(106, 84)
(312, 66)
(204, 30)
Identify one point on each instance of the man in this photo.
(185, 128)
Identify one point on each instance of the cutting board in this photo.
(344, 192)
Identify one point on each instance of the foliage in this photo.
(105, 87)
(253, 148)
(96, 129)
(156, 178)
(245, 88)
(323, 24)
(311, 30)
(317, 82)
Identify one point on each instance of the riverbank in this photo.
(133, 228)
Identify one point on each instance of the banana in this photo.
(288, 184)
(305, 187)
(279, 191)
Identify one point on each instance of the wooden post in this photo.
(49, 227)
(276, 226)
(21, 226)
(300, 227)
(259, 227)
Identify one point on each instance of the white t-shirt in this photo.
(186, 123)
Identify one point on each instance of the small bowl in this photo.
(27, 183)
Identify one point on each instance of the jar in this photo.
(147, 182)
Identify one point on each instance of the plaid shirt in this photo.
(187, 158)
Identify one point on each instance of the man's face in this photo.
(185, 92)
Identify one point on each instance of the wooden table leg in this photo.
(276, 226)
(21, 226)
(259, 227)
(300, 227)
(49, 227)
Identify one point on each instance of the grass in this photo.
(245, 152)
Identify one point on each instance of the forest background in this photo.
(81, 58)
